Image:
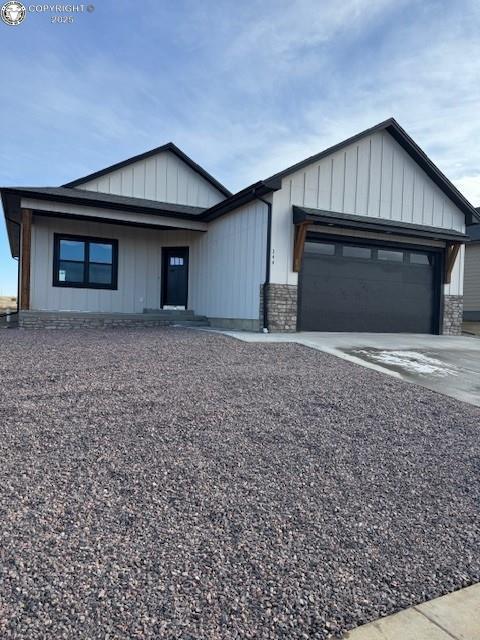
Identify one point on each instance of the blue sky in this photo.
(245, 89)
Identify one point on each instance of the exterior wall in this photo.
(139, 267)
(371, 177)
(472, 282)
(163, 177)
(228, 265)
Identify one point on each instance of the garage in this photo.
(355, 286)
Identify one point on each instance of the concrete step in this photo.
(178, 316)
(168, 313)
(195, 322)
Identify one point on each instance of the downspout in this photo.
(3, 315)
(267, 261)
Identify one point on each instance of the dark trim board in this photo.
(438, 269)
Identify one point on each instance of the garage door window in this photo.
(320, 248)
(391, 256)
(419, 258)
(357, 252)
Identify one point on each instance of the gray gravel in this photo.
(180, 484)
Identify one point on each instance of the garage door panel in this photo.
(376, 293)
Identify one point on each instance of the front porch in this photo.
(95, 320)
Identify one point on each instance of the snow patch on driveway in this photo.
(409, 361)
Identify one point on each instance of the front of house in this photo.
(365, 236)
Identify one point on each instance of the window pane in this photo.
(419, 258)
(320, 248)
(72, 250)
(357, 252)
(100, 252)
(100, 274)
(70, 271)
(392, 256)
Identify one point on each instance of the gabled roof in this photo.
(143, 156)
(414, 151)
(105, 201)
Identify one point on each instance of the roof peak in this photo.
(168, 146)
(410, 146)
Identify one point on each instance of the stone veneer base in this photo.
(452, 315)
(74, 320)
(282, 307)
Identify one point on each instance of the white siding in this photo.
(471, 299)
(229, 264)
(372, 177)
(139, 267)
(163, 177)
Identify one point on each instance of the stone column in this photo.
(452, 315)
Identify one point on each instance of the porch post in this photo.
(25, 254)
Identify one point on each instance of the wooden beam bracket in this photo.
(450, 259)
(299, 245)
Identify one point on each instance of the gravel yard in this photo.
(180, 484)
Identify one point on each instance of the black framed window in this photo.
(88, 263)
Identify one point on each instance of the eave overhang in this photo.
(106, 201)
(245, 196)
(305, 215)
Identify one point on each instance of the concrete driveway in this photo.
(447, 364)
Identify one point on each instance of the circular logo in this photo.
(13, 13)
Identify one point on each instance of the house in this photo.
(367, 235)
(471, 309)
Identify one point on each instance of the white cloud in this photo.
(470, 187)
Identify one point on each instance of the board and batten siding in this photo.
(372, 177)
(229, 264)
(471, 300)
(163, 177)
(139, 267)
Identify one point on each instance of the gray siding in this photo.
(230, 264)
(471, 300)
(227, 266)
(163, 177)
(372, 177)
(139, 267)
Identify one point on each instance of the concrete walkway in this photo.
(447, 364)
(454, 616)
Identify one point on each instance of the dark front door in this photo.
(175, 277)
(361, 287)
